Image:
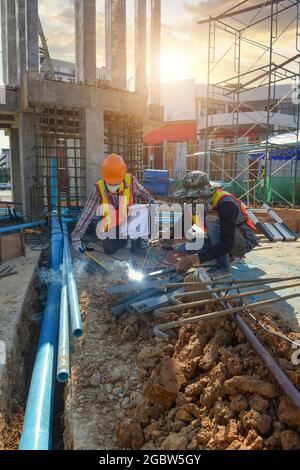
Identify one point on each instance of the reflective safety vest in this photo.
(219, 195)
(111, 220)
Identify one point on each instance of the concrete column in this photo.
(16, 167)
(11, 43)
(27, 143)
(140, 47)
(115, 35)
(21, 38)
(94, 146)
(32, 35)
(4, 40)
(155, 50)
(85, 39)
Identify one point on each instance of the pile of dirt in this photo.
(207, 389)
(204, 389)
(13, 430)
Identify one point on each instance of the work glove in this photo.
(186, 263)
(79, 247)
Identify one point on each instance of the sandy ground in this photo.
(18, 317)
(12, 294)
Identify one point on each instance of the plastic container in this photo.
(157, 182)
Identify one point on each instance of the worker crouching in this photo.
(115, 198)
(229, 231)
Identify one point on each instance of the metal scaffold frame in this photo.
(278, 69)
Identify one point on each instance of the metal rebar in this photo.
(227, 288)
(266, 357)
(200, 303)
(232, 282)
(219, 313)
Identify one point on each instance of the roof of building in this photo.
(172, 132)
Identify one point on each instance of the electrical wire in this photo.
(267, 330)
(273, 333)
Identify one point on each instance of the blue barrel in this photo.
(157, 182)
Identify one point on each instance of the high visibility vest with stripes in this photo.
(219, 195)
(111, 220)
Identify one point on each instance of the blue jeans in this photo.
(213, 227)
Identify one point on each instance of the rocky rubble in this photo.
(207, 389)
(204, 389)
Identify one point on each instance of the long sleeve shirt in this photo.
(228, 213)
(140, 194)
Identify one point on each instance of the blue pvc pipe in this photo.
(63, 355)
(13, 228)
(72, 289)
(56, 243)
(37, 428)
(54, 184)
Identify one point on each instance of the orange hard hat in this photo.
(114, 169)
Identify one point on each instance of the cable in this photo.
(273, 333)
(267, 330)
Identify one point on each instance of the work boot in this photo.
(218, 273)
(139, 247)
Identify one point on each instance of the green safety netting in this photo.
(271, 190)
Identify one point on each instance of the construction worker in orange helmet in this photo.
(117, 190)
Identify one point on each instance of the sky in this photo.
(4, 141)
(184, 42)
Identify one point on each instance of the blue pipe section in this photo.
(14, 228)
(63, 357)
(54, 184)
(72, 289)
(56, 243)
(37, 428)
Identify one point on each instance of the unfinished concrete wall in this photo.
(155, 50)
(16, 167)
(115, 50)
(32, 35)
(141, 47)
(3, 40)
(85, 40)
(9, 42)
(94, 145)
(27, 142)
(21, 38)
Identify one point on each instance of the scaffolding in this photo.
(59, 168)
(247, 126)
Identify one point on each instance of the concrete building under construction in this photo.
(65, 129)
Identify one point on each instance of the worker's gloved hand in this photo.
(79, 247)
(186, 263)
